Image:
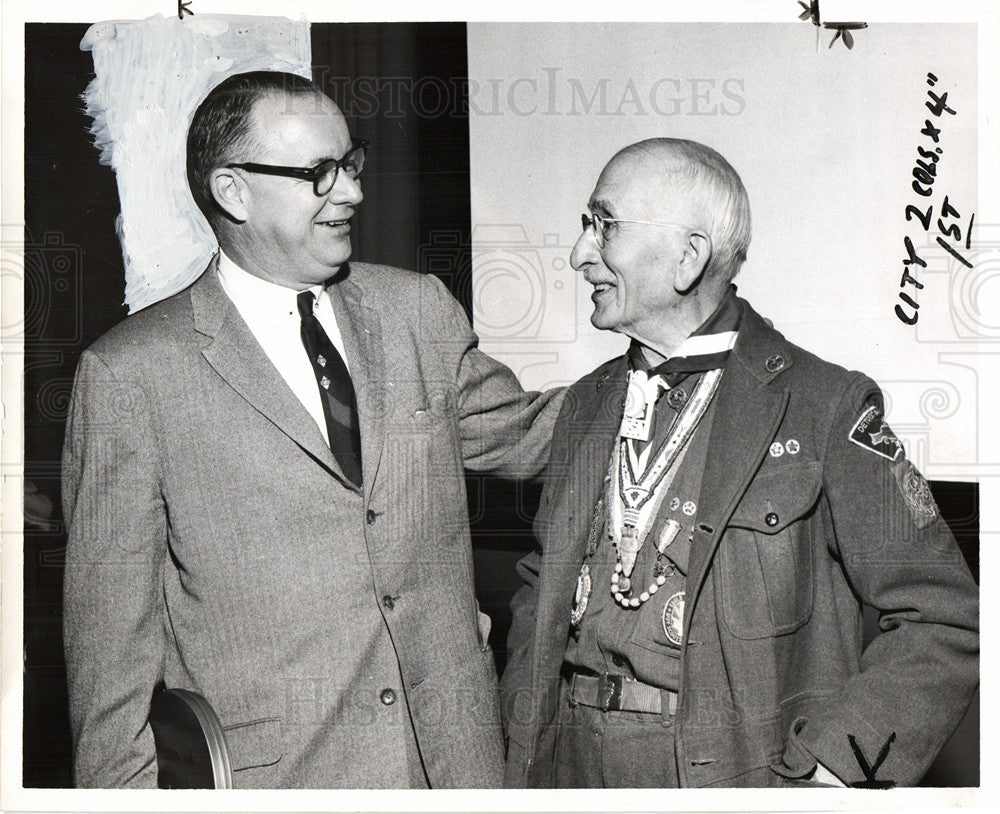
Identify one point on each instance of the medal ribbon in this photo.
(632, 511)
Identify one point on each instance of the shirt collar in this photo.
(706, 348)
(257, 298)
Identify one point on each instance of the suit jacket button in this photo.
(387, 697)
(387, 602)
(370, 517)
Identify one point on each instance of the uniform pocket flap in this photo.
(776, 499)
(255, 743)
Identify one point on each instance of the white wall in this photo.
(825, 140)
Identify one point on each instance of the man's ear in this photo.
(693, 262)
(231, 193)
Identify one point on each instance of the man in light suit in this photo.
(263, 483)
(718, 505)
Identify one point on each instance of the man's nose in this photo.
(585, 251)
(346, 190)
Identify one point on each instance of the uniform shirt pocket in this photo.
(766, 554)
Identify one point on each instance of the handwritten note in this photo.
(925, 173)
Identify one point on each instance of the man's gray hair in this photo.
(716, 189)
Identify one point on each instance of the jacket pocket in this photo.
(766, 554)
(254, 744)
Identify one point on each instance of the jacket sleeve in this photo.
(917, 676)
(113, 606)
(503, 429)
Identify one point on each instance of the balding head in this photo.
(700, 187)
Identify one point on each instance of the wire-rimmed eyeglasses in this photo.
(324, 175)
(598, 221)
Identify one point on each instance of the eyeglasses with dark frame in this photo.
(598, 221)
(324, 175)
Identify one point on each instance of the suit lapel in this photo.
(577, 483)
(238, 358)
(361, 329)
(748, 411)
(593, 438)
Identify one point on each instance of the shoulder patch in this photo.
(916, 493)
(872, 433)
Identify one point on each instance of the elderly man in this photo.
(263, 481)
(718, 505)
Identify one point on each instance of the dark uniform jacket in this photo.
(787, 547)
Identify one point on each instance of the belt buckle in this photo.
(611, 692)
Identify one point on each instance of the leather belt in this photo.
(618, 693)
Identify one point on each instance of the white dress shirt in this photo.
(271, 312)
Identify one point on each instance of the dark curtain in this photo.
(403, 86)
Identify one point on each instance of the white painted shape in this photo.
(150, 77)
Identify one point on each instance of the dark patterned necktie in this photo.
(336, 391)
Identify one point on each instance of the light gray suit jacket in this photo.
(215, 545)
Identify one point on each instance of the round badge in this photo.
(677, 398)
(689, 508)
(792, 446)
(777, 450)
(673, 619)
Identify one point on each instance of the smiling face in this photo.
(287, 234)
(634, 273)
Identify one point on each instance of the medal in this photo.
(628, 549)
(584, 585)
(673, 619)
(667, 535)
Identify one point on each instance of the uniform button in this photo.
(387, 602)
(771, 519)
(370, 517)
(387, 697)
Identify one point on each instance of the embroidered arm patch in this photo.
(916, 493)
(872, 433)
